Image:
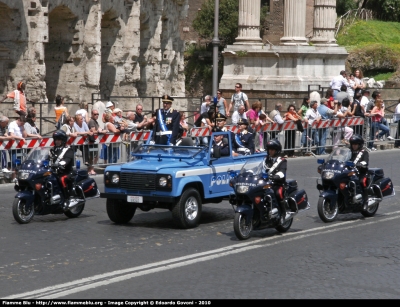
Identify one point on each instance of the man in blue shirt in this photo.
(326, 113)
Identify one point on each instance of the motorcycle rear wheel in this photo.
(242, 231)
(324, 211)
(285, 226)
(21, 214)
(371, 210)
(75, 211)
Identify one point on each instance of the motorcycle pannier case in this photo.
(89, 187)
(386, 186)
(81, 175)
(301, 199)
(377, 172)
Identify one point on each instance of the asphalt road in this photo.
(89, 257)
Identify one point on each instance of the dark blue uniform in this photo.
(224, 148)
(244, 140)
(166, 127)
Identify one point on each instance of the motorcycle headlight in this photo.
(327, 175)
(23, 175)
(162, 181)
(242, 189)
(115, 178)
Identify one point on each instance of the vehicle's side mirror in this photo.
(321, 161)
(350, 163)
(217, 152)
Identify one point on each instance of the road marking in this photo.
(95, 281)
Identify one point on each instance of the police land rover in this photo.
(177, 178)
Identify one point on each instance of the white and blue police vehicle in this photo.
(178, 178)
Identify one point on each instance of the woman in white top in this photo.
(83, 111)
(31, 129)
(358, 79)
(68, 128)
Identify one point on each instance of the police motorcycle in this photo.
(340, 188)
(39, 191)
(255, 204)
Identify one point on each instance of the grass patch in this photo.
(382, 76)
(364, 33)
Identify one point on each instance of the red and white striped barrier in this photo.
(206, 131)
(140, 136)
(287, 125)
(30, 143)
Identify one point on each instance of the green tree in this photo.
(343, 6)
(386, 10)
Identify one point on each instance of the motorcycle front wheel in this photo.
(22, 214)
(325, 212)
(242, 231)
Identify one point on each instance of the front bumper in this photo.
(161, 199)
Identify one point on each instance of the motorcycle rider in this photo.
(62, 157)
(276, 167)
(360, 157)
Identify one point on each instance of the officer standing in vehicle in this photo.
(244, 139)
(360, 157)
(166, 126)
(62, 157)
(276, 167)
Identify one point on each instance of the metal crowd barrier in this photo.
(107, 148)
(117, 148)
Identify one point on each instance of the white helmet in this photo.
(109, 104)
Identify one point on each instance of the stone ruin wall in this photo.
(78, 47)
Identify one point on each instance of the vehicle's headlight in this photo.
(115, 179)
(162, 181)
(23, 175)
(242, 188)
(327, 175)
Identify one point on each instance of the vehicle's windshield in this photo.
(39, 154)
(342, 154)
(173, 151)
(254, 166)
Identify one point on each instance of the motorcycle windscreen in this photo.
(89, 187)
(386, 186)
(301, 199)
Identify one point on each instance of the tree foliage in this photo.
(343, 6)
(227, 22)
(385, 10)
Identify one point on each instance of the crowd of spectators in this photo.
(347, 96)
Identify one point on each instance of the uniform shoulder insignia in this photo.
(224, 129)
(172, 110)
(245, 132)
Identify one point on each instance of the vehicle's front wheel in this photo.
(242, 231)
(75, 211)
(371, 210)
(325, 212)
(22, 213)
(186, 212)
(120, 212)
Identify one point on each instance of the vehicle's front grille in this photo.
(138, 181)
